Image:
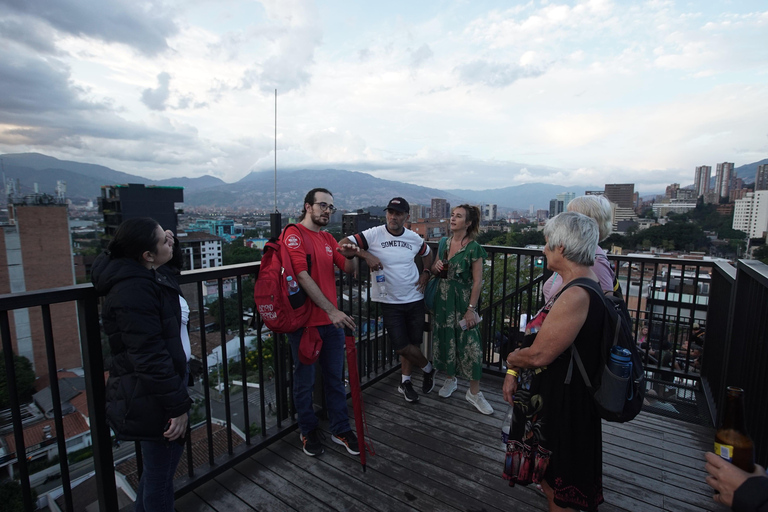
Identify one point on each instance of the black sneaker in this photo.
(312, 444)
(429, 381)
(406, 389)
(348, 440)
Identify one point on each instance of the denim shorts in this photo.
(404, 323)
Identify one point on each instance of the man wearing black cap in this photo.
(393, 249)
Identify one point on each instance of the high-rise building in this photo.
(489, 212)
(701, 180)
(751, 214)
(440, 209)
(419, 211)
(723, 177)
(621, 193)
(35, 254)
(761, 177)
(671, 192)
(555, 207)
(120, 202)
(565, 197)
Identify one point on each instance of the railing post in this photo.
(93, 365)
(18, 428)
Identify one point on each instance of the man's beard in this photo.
(319, 220)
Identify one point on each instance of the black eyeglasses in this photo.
(326, 206)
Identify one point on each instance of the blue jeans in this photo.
(155, 493)
(332, 365)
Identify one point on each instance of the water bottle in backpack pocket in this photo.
(615, 387)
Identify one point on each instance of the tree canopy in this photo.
(25, 381)
(234, 253)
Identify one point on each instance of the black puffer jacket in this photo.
(142, 317)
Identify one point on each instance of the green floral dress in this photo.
(457, 352)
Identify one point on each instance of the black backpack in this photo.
(617, 399)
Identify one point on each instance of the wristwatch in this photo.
(427, 271)
(471, 306)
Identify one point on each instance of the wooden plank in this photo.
(223, 499)
(190, 502)
(376, 487)
(624, 453)
(456, 470)
(332, 495)
(442, 455)
(254, 478)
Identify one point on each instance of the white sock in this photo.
(406, 378)
(427, 368)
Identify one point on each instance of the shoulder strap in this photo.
(307, 242)
(583, 282)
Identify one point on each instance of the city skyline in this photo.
(454, 94)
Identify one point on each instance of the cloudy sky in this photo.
(452, 94)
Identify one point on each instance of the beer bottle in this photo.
(731, 440)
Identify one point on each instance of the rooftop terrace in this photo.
(438, 454)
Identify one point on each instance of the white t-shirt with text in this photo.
(397, 253)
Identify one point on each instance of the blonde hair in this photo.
(598, 208)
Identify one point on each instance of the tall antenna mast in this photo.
(275, 150)
(274, 218)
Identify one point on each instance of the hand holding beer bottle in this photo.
(731, 440)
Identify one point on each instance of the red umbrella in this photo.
(357, 398)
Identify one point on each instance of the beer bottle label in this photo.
(725, 451)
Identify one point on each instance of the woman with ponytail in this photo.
(458, 349)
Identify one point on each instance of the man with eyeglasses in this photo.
(393, 248)
(318, 279)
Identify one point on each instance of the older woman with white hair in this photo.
(599, 209)
(555, 436)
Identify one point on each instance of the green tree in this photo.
(231, 312)
(761, 253)
(491, 234)
(25, 381)
(231, 307)
(615, 239)
(11, 497)
(232, 254)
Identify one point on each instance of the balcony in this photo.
(243, 452)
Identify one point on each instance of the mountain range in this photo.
(352, 189)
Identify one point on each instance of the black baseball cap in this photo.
(399, 205)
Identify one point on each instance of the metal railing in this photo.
(665, 294)
(744, 356)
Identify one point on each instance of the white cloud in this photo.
(460, 97)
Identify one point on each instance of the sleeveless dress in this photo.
(556, 430)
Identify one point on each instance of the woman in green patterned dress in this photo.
(459, 351)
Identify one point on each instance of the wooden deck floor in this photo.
(442, 455)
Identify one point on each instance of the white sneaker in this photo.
(479, 402)
(449, 386)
